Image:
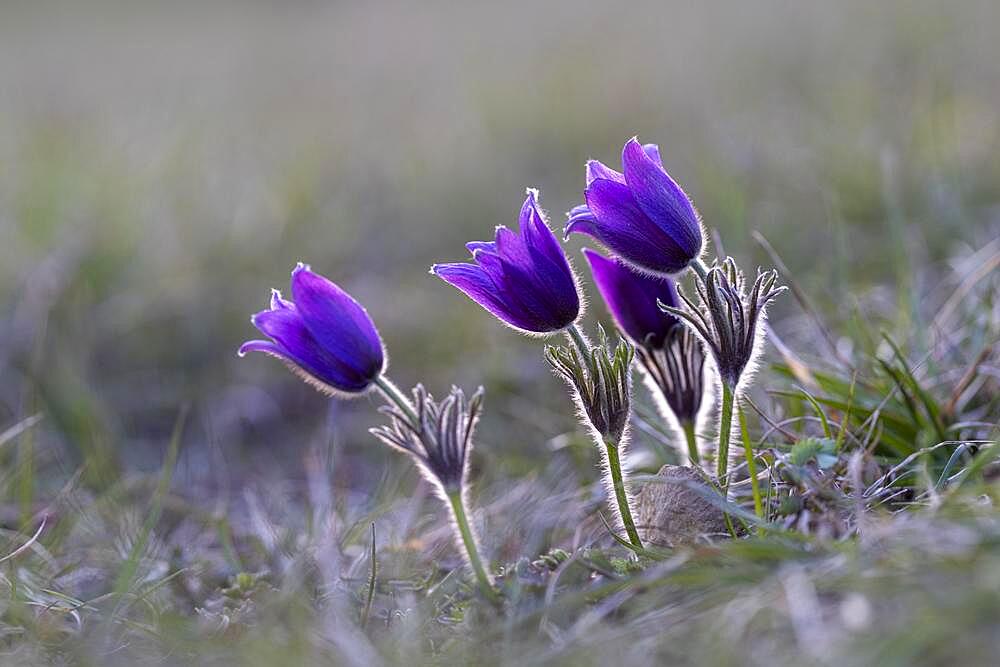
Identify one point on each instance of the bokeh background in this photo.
(162, 165)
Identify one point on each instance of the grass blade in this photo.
(126, 576)
(819, 411)
(365, 615)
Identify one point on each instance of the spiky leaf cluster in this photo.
(602, 380)
(677, 370)
(440, 438)
(728, 317)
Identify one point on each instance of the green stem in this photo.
(615, 467)
(462, 521)
(692, 442)
(394, 395)
(725, 426)
(576, 336)
(758, 505)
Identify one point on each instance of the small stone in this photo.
(669, 513)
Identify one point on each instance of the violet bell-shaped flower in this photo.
(523, 278)
(323, 335)
(641, 215)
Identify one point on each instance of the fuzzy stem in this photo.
(615, 468)
(758, 505)
(576, 336)
(692, 442)
(699, 267)
(392, 393)
(725, 426)
(465, 531)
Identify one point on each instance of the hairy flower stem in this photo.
(469, 541)
(392, 394)
(576, 336)
(758, 505)
(699, 267)
(725, 426)
(692, 442)
(615, 468)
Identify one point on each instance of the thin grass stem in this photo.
(372, 579)
(758, 505)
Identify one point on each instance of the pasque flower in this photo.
(641, 215)
(670, 354)
(522, 278)
(323, 335)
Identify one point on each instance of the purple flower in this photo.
(522, 278)
(642, 215)
(631, 297)
(324, 336)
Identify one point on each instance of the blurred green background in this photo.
(162, 165)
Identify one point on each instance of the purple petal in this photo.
(661, 198)
(278, 303)
(488, 246)
(523, 288)
(473, 281)
(597, 169)
(535, 231)
(613, 206)
(491, 264)
(538, 237)
(550, 269)
(631, 298)
(579, 221)
(514, 270)
(511, 247)
(653, 151)
(515, 284)
(264, 346)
